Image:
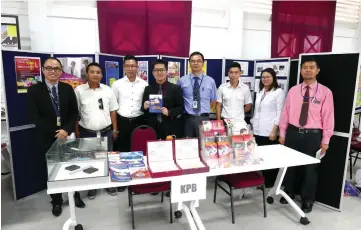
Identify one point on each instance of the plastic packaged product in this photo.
(224, 152)
(239, 151)
(210, 152)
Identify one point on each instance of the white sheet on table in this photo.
(163, 166)
(190, 163)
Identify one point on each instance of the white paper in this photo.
(64, 174)
(190, 163)
(160, 151)
(283, 84)
(318, 154)
(244, 67)
(186, 149)
(164, 166)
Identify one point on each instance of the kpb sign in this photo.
(189, 188)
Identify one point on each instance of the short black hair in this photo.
(274, 79)
(196, 53)
(93, 64)
(53, 58)
(235, 65)
(309, 59)
(160, 61)
(130, 57)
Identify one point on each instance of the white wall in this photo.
(346, 37)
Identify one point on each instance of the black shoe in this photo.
(57, 210)
(92, 194)
(154, 193)
(121, 189)
(284, 201)
(167, 194)
(307, 206)
(78, 202)
(111, 191)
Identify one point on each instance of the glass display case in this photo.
(77, 159)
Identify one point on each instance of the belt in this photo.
(130, 119)
(101, 131)
(199, 115)
(303, 130)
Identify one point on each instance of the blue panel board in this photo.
(103, 59)
(250, 66)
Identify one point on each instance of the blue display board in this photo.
(176, 68)
(109, 68)
(214, 69)
(247, 74)
(150, 59)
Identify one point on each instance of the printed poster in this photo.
(358, 96)
(204, 69)
(173, 72)
(111, 72)
(9, 37)
(249, 81)
(27, 72)
(281, 68)
(74, 70)
(143, 70)
(244, 68)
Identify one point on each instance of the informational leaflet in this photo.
(173, 72)
(27, 72)
(143, 70)
(111, 72)
(155, 103)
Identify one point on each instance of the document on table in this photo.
(190, 163)
(160, 151)
(165, 166)
(186, 149)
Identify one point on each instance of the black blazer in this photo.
(172, 100)
(41, 110)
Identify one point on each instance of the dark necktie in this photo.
(159, 115)
(304, 110)
(196, 95)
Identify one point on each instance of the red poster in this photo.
(28, 72)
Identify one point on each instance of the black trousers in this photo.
(126, 127)
(85, 133)
(302, 180)
(192, 123)
(270, 175)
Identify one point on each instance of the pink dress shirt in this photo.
(320, 115)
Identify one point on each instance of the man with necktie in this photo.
(306, 125)
(199, 92)
(53, 109)
(163, 123)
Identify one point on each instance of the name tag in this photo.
(314, 100)
(195, 104)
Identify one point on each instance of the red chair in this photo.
(241, 181)
(139, 139)
(355, 148)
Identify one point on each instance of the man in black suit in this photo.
(164, 123)
(53, 109)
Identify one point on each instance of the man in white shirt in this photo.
(233, 98)
(129, 93)
(97, 107)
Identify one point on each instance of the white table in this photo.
(274, 156)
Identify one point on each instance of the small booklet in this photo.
(117, 165)
(155, 103)
(120, 176)
(131, 156)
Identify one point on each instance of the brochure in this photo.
(131, 156)
(155, 103)
(120, 176)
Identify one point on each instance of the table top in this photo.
(273, 156)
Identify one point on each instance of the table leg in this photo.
(276, 190)
(193, 205)
(71, 222)
(186, 210)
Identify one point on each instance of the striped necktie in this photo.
(196, 95)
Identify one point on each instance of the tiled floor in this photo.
(106, 212)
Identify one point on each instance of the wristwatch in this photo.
(115, 131)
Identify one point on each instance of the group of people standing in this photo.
(304, 121)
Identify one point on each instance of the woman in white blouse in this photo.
(267, 112)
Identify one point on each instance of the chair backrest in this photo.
(140, 136)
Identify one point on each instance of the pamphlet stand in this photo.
(161, 160)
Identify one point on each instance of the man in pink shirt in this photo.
(306, 125)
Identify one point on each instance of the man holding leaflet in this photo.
(165, 121)
(97, 106)
(199, 92)
(233, 98)
(306, 125)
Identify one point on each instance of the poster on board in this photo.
(27, 72)
(249, 81)
(173, 72)
(9, 37)
(244, 67)
(74, 70)
(281, 68)
(204, 68)
(358, 95)
(143, 70)
(111, 72)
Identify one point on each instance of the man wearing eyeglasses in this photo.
(129, 93)
(199, 92)
(164, 121)
(53, 109)
(97, 106)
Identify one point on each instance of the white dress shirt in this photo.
(233, 100)
(92, 117)
(129, 96)
(267, 111)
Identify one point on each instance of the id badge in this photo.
(314, 100)
(195, 104)
(58, 122)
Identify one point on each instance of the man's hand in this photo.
(165, 111)
(273, 136)
(323, 148)
(61, 134)
(115, 135)
(146, 105)
(281, 140)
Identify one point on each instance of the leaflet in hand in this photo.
(155, 103)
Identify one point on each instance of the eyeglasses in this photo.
(159, 70)
(196, 61)
(308, 67)
(100, 103)
(49, 69)
(130, 66)
(266, 77)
